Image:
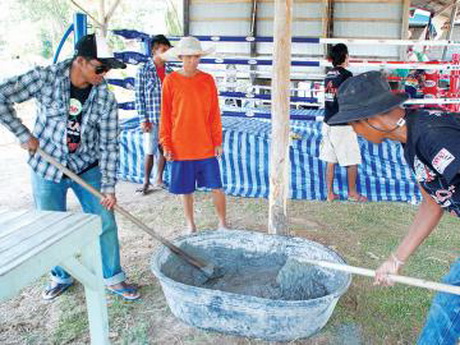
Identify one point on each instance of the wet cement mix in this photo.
(267, 275)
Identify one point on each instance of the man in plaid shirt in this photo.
(77, 124)
(148, 83)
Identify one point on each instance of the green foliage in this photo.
(174, 24)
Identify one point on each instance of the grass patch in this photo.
(73, 321)
(364, 234)
(136, 335)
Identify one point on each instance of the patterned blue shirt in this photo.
(147, 88)
(50, 86)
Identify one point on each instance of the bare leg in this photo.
(188, 211)
(330, 182)
(352, 174)
(160, 170)
(148, 165)
(218, 196)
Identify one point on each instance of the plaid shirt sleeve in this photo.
(139, 90)
(17, 90)
(109, 131)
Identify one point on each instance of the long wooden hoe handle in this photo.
(207, 267)
(396, 278)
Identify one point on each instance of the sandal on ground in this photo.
(143, 190)
(128, 292)
(359, 198)
(332, 198)
(54, 289)
(160, 186)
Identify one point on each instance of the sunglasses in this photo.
(99, 69)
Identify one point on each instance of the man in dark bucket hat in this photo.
(431, 140)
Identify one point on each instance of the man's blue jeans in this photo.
(442, 326)
(51, 196)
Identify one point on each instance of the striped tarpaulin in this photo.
(383, 175)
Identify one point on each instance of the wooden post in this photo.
(453, 15)
(186, 17)
(253, 33)
(279, 151)
(102, 18)
(404, 28)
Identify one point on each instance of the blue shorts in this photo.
(187, 175)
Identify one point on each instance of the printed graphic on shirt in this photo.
(74, 124)
(443, 194)
(438, 188)
(442, 160)
(443, 197)
(437, 113)
(422, 172)
(330, 92)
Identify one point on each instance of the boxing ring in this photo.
(383, 174)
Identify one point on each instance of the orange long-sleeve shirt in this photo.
(190, 126)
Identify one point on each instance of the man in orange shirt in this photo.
(191, 129)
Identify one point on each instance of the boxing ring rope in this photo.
(232, 93)
(133, 34)
(135, 58)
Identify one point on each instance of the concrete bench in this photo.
(31, 242)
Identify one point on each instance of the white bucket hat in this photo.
(186, 46)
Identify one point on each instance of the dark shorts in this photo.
(187, 175)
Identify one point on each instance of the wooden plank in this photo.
(26, 238)
(43, 240)
(29, 219)
(279, 147)
(25, 230)
(81, 235)
(8, 216)
(33, 264)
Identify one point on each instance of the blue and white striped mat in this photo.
(383, 175)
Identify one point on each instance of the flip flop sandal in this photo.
(160, 186)
(53, 290)
(125, 293)
(334, 198)
(359, 199)
(143, 191)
